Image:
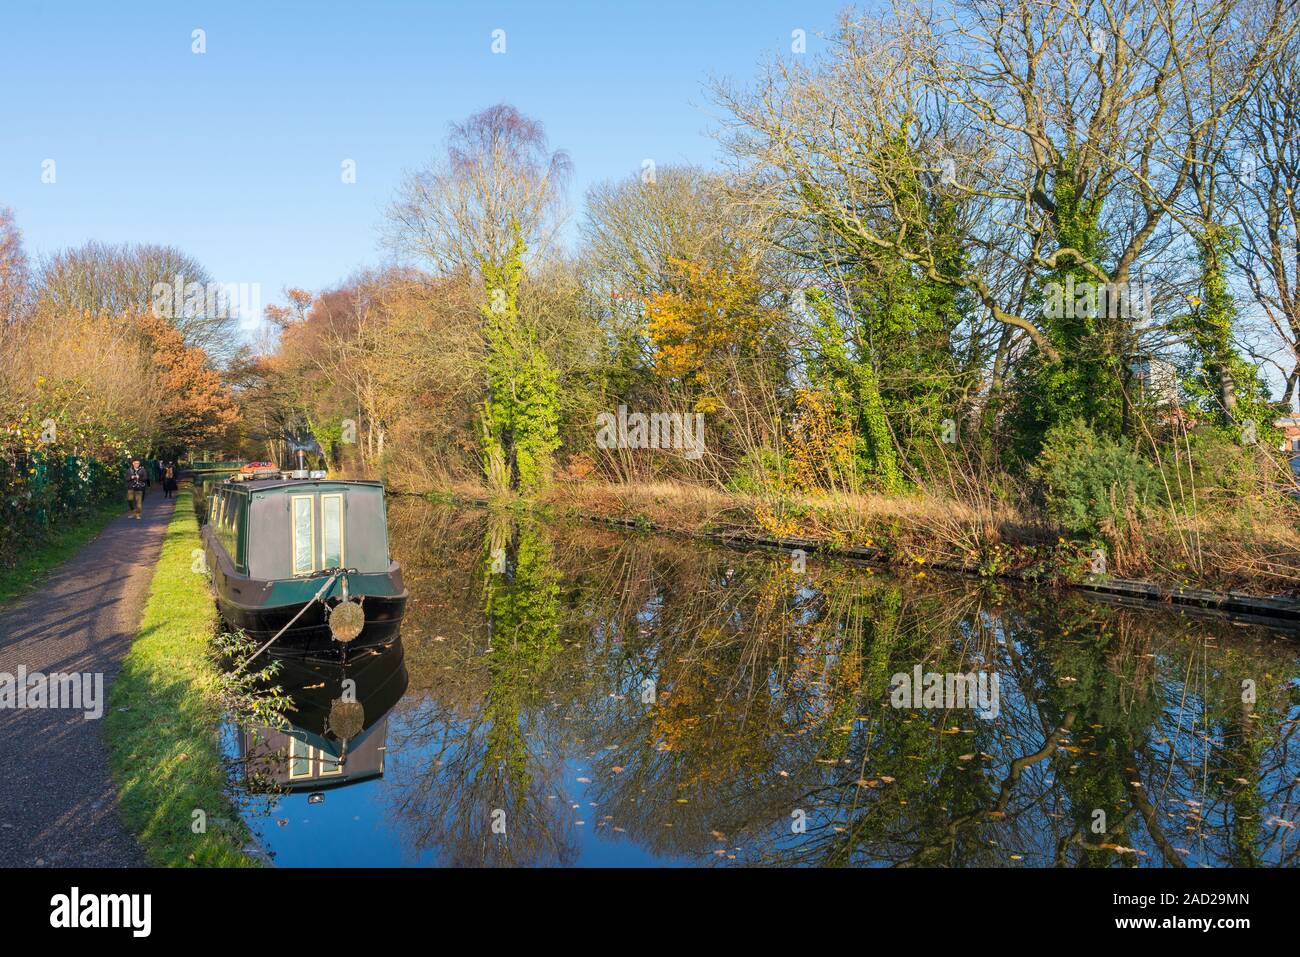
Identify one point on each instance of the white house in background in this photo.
(1157, 380)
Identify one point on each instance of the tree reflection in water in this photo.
(690, 699)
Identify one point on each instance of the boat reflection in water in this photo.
(338, 725)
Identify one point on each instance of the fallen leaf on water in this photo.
(1121, 849)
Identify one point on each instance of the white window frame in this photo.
(343, 551)
(293, 533)
(309, 757)
(321, 759)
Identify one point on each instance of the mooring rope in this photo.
(323, 589)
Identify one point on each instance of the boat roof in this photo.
(264, 485)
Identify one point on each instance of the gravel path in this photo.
(57, 804)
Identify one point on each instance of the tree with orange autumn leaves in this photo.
(105, 386)
(711, 326)
(195, 407)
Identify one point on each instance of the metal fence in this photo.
(41, 493)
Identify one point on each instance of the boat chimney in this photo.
(301, 471)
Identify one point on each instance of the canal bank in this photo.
(1275, 611)
(1060, 563)
(164, 714)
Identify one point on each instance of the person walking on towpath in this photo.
(137, 479)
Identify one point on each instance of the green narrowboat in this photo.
(304, 556)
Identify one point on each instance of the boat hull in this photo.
(261, 608)
(311, 631)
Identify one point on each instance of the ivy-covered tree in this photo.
(520, 422)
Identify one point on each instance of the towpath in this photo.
(58, 807)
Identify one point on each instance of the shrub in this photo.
(760, 472)
(1221, 471)
(1090, 483)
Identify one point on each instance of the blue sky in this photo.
(235, 155)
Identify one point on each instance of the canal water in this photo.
(567, 694)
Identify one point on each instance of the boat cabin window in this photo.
(329, 763)
(304, 535)
(331, 538)
(299, 758)
(331, 524)
(307, 761)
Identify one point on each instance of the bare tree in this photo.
(497, 168)
(1266, 205)
(117, 279)
(14, 274)
(636, 226)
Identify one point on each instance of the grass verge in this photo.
(163, 717)
(56, 549)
